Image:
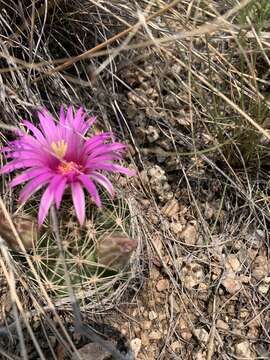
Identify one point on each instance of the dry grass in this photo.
(198, 73)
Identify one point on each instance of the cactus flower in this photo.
(58, 155)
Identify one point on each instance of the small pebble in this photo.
(152, 315)
(155, 335)
(175, 345)
(232, 263)
(231, 284)
(202, 335)
(243, 349)
(162, 285)
(189, 234)
(222, 325)
(264, 286)
(144, 339)
(146, 325)
(135, 345)
(260, 267)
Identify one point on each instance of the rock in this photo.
(144, 339)
(145, 179)
(256, 238)
(135, 345)
(144, 202)
(236, 244)
(200, 355)
(157, 173)
(203, 291)
(260, 234)
(192, 274)
(231, 283)
(153, 218)
(253, 332)
(152, 134)
(244, 279)
(137, 330)
(162, 285)
(157, 240)
(264, 286)
(176, 227)
(186, 335)
(216, 272)
(244, 313)
(202, 335)
(155, 335)
(260, 267)
(152, 315)
(26, 227)
(209, 211)
(232, 263)
(250, 252)
(157, 179)
(154, 273)
(165, 225)
(175, 345)
(189, 234)
(243, 349)
(184, 329)
(262, 350)
(222, 325)
(92, 351)
(115, 249)
(162, 316)
(174, 304)
(171, 208)
(146, 325)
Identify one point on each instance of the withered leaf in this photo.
(114, 250)
(26, 227)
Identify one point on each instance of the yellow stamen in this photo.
(67, 167)
(59, 148)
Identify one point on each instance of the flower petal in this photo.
(69, 115)
(78, 201)
(95, 141)
(103, 158)
(47, 124)
(18, 164)
(79, 118)
(79, 124)
(91, 188)
(27, 175)
(45, 204)
(114, 168)
(26, 155)
(34, 185)
(107, 148)
(60, 191)
(37, 133)
(102, 180)
(62, 117)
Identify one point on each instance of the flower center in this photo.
(59, 148)
(68, 167)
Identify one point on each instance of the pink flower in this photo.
(58, 155)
